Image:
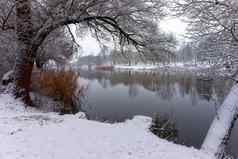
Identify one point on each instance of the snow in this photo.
(27, 133)
(222, 123)
(137, 67)
(7, 75)
(185, 66)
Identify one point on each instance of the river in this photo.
(180, 96)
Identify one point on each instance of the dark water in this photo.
(186, 99)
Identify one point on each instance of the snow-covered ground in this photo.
(26, 133)
(189, 66)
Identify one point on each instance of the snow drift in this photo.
(29, 134)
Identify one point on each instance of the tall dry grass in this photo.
(60, 85)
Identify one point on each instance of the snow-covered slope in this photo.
(28, 134)
(222, 123)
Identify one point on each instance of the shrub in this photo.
(60, 85)
(164, 128)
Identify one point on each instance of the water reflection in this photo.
(166, 84)
(190, 101)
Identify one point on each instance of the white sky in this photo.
(89, 45)
(175, 26)
(169, 25)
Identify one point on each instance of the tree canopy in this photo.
(39, 30)
(213, 26)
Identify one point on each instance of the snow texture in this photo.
(7, 77)
(186, 66)
(26, 133)
(222, 123)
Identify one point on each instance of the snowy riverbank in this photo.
(180, 66)
(30, 134)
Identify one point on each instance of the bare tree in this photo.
(213, 24)
(126, 21)
(58, 46)
(24, 57)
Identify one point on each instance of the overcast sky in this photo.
(169, 25)
(175, 26)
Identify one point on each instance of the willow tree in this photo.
(124, 21)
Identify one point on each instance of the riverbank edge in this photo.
(28, 133)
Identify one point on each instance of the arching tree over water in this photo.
(126, 21)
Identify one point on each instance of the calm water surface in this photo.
(181, 96)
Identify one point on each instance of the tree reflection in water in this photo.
(120, 95)
(166, 84)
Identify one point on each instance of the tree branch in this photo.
(50, 26)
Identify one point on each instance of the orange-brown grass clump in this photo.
(60, 85)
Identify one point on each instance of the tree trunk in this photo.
(24, 59)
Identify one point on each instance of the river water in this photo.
(180, 96)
